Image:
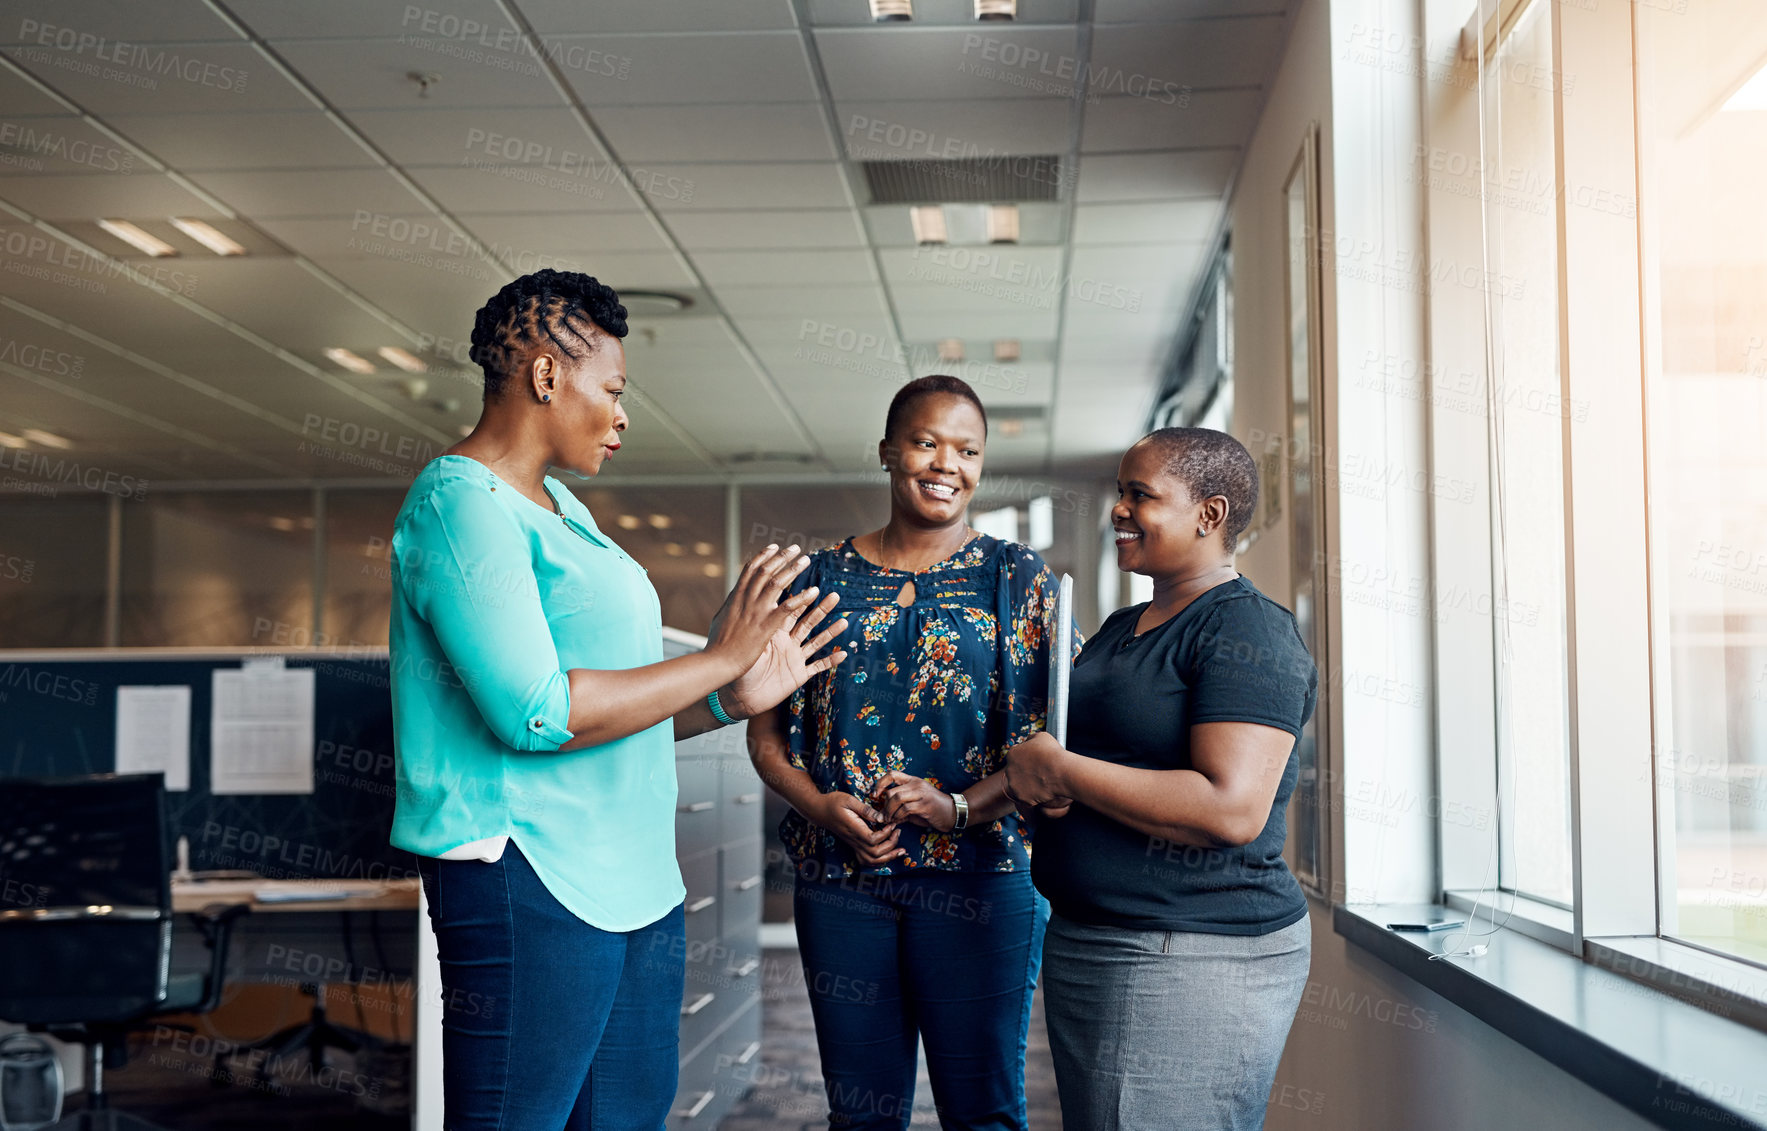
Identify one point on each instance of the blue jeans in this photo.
(548, 1022)
(948, 958)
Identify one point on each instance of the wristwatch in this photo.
(962, 804)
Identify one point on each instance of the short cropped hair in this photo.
(1211, 463)
(926, 387)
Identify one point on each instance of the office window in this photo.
(1704, 138)
(218, 568)
(1526, 473)
(52, 571)
(358, 567)
(677, 533)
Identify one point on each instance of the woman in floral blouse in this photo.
(915, 912)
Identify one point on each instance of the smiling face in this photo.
(584, 418)
(1156, 521)
(934, 459)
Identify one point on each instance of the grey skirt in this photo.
(1169, 1030)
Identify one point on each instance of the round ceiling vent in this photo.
(653, 304)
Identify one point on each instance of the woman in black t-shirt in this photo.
(1179, 944)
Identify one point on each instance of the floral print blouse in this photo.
(940, 689)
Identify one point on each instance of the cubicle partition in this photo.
(59, 716)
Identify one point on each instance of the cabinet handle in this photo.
(699, 1105)
(697, 1004)
(748, 1054)
(748, 967)
(746, 798)
(697, 806)
(749, 884)
(701, 903)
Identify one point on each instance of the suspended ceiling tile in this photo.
(88, 196)
(162, 78)
(1171, 221)
(268, 140)
(939, 131)
(685, 67)
(950, 64)
(678, 188)
(1156, 176)
(1192, 120)
(725, 131)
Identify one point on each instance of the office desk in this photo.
(388, 895)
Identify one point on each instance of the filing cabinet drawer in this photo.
(699, 874)
(742, 798)
(744, 883)
(696, 804)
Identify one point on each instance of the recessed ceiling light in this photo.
(1003, 223)
(630, 522)
(674, 549)
(355, 363)
(138, 239)
(404, 359)
(208, 236)
(929, 223)
(47, 439)
(996, 9)
(951, 349)
(892, 11)
(1006, 349)
(281, 522)
(712, 569)
(703, 549)
(1012, 426)
(8, 440)
(661, 521)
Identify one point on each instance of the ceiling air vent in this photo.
(964, 180)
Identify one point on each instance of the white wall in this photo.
(1370, 1049)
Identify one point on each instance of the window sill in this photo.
(1673, 1063)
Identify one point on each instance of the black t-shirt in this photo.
(1231, 655)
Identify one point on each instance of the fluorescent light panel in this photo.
(138, 239)
(951, 349)
(47, 439)
(355, 363)
(929, 223)
(1006, 349)
(404, 359)
(996, 9)
(8, 440)
(1003, 223)
(208, 236)
(892, 11)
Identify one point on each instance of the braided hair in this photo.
(563, 306)
(1211, 463)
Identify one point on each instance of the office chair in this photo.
(86, 922)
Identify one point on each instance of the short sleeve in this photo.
(464, 566)
(1248, 665)
(1028, 596)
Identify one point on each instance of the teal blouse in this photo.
(494, 599)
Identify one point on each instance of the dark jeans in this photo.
(547, 1022)
(947, 958)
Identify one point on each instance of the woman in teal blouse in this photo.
(534, 724)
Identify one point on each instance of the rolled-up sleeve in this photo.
(464, 565)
